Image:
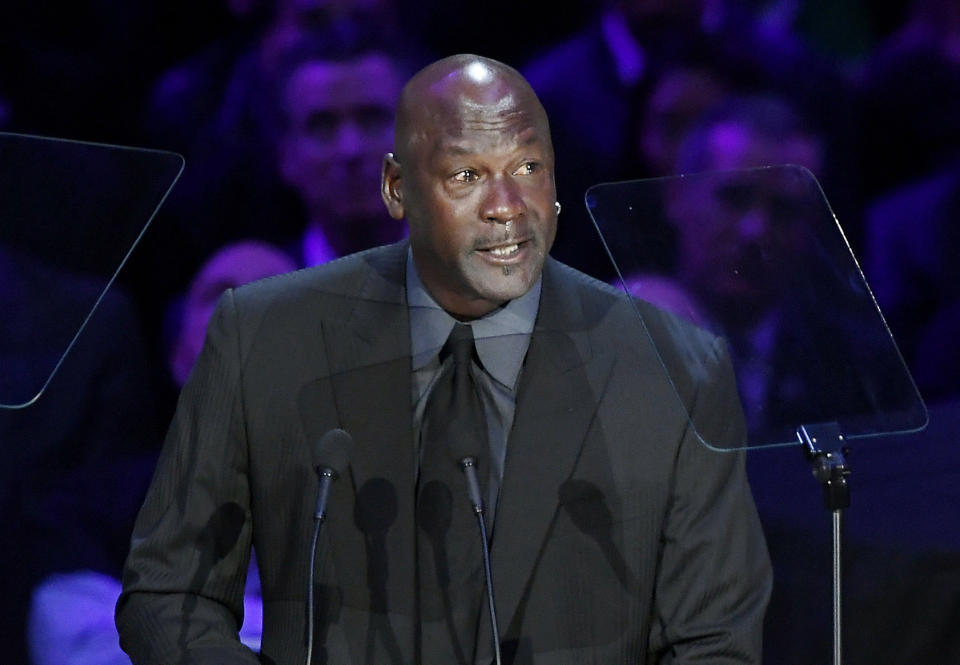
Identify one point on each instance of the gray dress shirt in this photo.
(502, 338)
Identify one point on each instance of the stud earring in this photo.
(557, 204)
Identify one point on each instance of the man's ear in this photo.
(390, 186)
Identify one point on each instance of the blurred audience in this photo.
(282, 109)
(71, 611)
(739, 240)
(336, 125)
(599, 72)
(274, 161)
(909, 99)
(929, 24)
(230, 266)
(6, 112)
(78, 458)
(912, 266)
(292, 155)
(910, 151)
(222, 84)
(679, 96)
(185, 97)
(648, 68)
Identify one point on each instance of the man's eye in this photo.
(527, 168)
(465, 175)
(322, 124)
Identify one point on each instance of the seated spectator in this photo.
(232, 265)
(680, 95)
(267, 166)
(336, 123)
(911, 83)
(748, 251)
(184, 99)
(601, 72)
(911, 264)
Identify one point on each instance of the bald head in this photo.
(472, 173)
(461, 89)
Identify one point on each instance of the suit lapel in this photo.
(563, 379)
(369, 358)
(368, 353)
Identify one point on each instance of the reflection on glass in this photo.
(757, 257)
(70, 214)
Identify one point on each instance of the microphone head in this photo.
(460, 450)
(332, 451)
(469, 463)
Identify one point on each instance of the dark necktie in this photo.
(450, 559)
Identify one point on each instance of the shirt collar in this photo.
(502, 336)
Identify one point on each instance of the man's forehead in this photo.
(370, 77)
(466, 139)
(735, 145)
(456, 123)
(469, 97)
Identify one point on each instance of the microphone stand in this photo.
(831, 469)
(317, 523)
(330, 458)
(327, 476)
(469, 465)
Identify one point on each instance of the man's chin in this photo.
(507, 287)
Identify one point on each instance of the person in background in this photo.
(83, 435)
(70, 618)
(336, 121)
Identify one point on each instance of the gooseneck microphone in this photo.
(331, 454)
(468, 463)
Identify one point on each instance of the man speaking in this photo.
(616, 536)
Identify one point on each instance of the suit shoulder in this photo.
(571, 278)
(662, 321)
(341, 278)
(682, 345)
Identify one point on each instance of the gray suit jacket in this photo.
(620, 537)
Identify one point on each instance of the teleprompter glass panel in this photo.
(70, 214)
(758, 258)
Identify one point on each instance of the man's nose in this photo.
(503, 202)
(754, 224)
(350, 139)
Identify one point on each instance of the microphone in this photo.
(468, 463)
(331, 454)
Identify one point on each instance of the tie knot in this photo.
(460, 344)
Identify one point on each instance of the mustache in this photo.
(509, 236)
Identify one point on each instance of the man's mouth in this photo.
(505, 250)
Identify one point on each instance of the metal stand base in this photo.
(831, 469)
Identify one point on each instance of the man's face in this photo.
(477, 189)
(743, 232)
(340, 122)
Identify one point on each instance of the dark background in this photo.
(85, 71)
